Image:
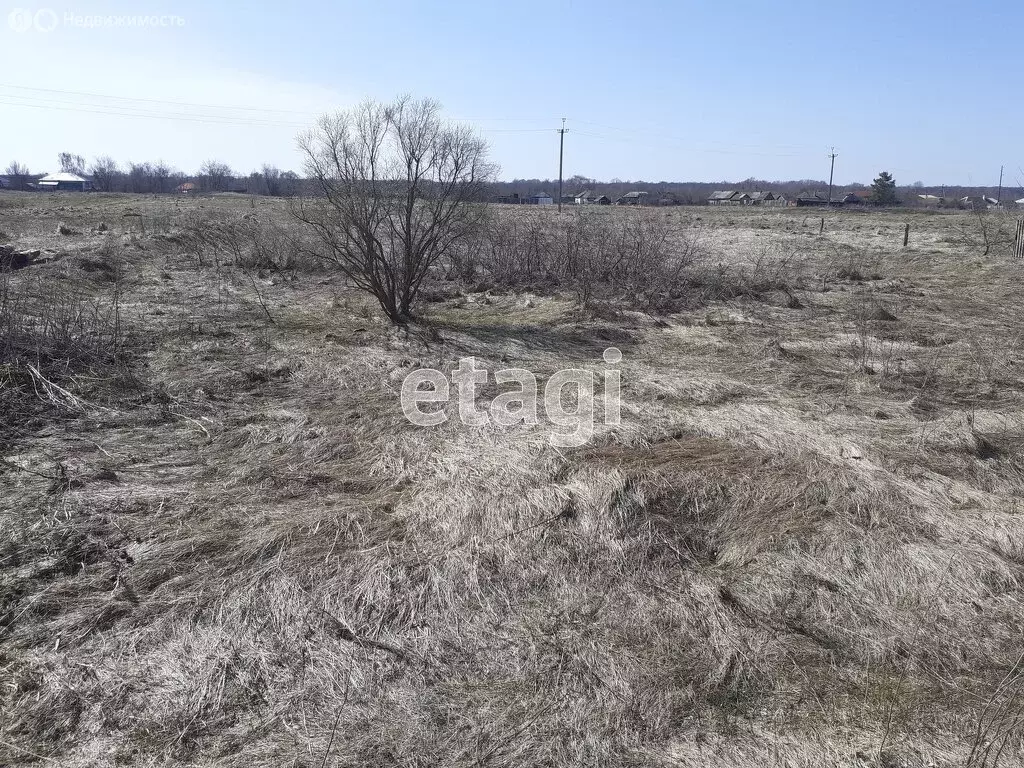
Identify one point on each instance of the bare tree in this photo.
(161, 175)
(104, 170)
(71, 163)
(139, 177)
(255, 185)
(400, 188)
(272, 180)
(289, 183)
(214, 175)
(18, 175)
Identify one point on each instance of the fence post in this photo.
(822, 225)
(906, 235)
(1018, 243)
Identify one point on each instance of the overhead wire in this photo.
(150, 101)
(164, 109)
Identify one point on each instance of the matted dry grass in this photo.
(803, 546)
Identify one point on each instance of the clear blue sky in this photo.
(655, 91)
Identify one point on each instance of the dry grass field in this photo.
(221, 543)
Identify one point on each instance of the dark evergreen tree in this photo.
(883, 190)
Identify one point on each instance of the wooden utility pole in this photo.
(830, 173)
(999, 194)
(561, 147)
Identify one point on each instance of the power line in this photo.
(681, 146)
(95, 109)
(659, 132)
(150, 101)
(125, 109)
(515, 130)
(129, 107)
(119, 110)
(124, 106)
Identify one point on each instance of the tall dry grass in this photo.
(781, 557)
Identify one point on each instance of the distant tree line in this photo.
(107, 175)
(697, 193)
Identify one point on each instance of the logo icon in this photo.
(46, 20)
(20, 20)
(43, 20)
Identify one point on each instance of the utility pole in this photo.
(561, 147)
(999, 194)
(831, 170)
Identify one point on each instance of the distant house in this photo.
(721, 198)
(187, 188)
(64, 182)
(767, 198)
(542, 198)
(978, 203)
(857, 198)
(930, 199)
(587, 197)
(632, 198)
(816, 199)
(732, 197)
(513, 199)
(810, 199)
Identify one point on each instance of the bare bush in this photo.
(55, 327)
(246, 241)
(987, 230)
(400, 190)
(50, 334)
(518, 249)
(755, 278)
(637, 257)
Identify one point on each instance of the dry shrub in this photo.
(248, 242)
(985, 231)
(636, 257)
(639, 258)
(766, 274)
(56, 327)
(49, 333)
(108, 264)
